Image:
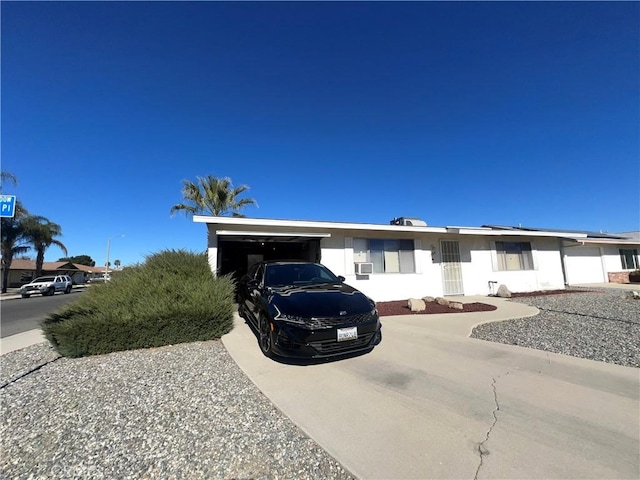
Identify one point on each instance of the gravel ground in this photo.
(599, 325)
(184, 411)
(188, 411)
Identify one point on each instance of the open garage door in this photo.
(238, 251)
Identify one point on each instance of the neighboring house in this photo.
(600, 259)
(392, 262)
(23, 271)
(87, 273)
(594, 257)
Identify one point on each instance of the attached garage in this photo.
(238, 250)
(583, 265)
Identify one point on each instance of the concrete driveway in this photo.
(429, 402)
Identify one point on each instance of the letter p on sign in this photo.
(7, 205)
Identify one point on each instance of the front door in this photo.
(451, 267)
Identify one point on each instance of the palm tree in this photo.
(13, 240)
(40, 233)
(117, 263)
(7, 177)
(213, 196)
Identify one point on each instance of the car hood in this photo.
(326, 300)
(37, 284)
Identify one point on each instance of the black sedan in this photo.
(301, 309)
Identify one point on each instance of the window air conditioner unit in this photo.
(364, 268)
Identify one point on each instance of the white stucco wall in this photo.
(337, 255)
(611, 258)
(332, 254)
(478, 268)
(212, 248)
(478, 264)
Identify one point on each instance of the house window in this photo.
(514, 256)
(387, 256)
(629, 259)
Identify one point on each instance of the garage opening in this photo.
(237, 254)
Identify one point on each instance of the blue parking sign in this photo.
(7, 205)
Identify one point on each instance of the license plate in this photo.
(347, 334)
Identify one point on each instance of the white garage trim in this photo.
(241, 233)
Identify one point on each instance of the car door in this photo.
(254, 291)
(243, 285)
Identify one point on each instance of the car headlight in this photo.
(288, 318)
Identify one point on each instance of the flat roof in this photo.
(319, 225)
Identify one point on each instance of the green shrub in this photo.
(170, 298)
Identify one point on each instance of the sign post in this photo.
(7, 206)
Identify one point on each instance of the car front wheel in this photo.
(51, 291)
(266, 337)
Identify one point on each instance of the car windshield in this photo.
(44, 279)
(281, 274)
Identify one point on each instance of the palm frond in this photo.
(212, 195)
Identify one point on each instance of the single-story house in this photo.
(408, 258)
(23, 271)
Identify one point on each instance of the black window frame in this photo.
(633, 254)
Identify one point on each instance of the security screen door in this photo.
(451, 267)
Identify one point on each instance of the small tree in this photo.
(7, 177)
(80, 260)
(213, 196)
(117, 263)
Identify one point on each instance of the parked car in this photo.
(100, 279)
(47, 286)
(301, 309)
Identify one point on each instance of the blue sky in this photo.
(457, 113)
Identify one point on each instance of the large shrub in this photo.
(170, 298)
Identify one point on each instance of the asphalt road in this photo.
(24, 314)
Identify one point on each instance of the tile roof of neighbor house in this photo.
(22, 264)
(88, 269)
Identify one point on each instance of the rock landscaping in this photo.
(402, 307)
(601, 325)
(177, 412)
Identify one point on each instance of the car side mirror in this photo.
(341, 278)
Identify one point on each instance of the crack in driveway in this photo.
(482, 450)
